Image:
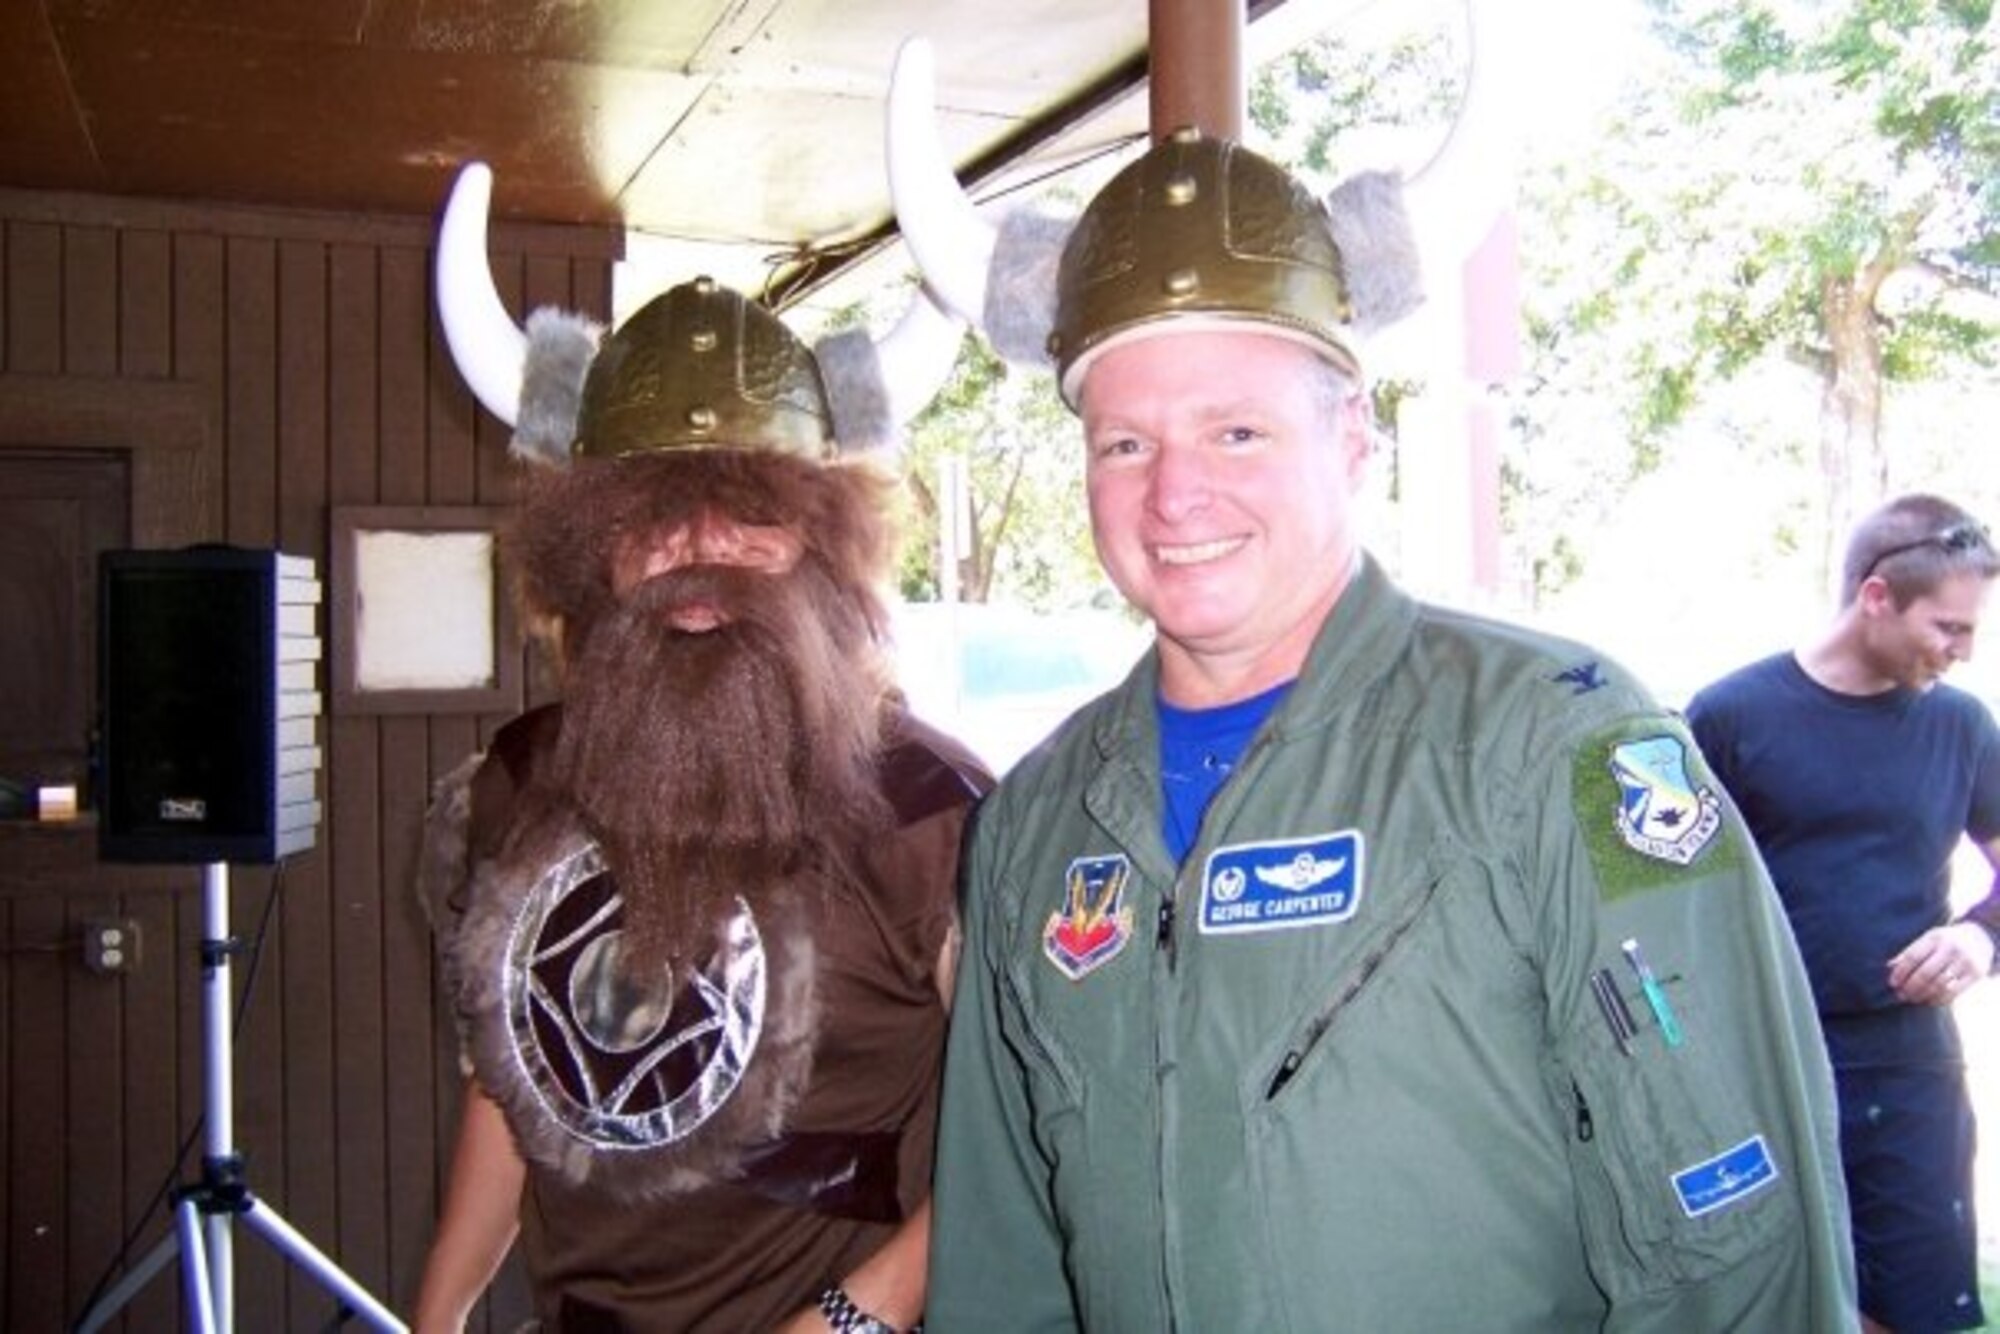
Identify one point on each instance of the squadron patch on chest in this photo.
(1094, 923)
(1282, 884)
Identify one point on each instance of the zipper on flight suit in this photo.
(1295, 1057)
(1164, 938)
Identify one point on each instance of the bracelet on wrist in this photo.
(844, 1317)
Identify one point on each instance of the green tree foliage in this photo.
(1022, 457)
(1020, 453)
(1786, 184)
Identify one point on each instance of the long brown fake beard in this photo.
(722, 763)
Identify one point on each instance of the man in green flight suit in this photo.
(1356, 964)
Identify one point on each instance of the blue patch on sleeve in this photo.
(1725, 1178)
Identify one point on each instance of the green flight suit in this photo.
(1344, 1069)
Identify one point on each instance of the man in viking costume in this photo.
(697, 919)
(1356, 964)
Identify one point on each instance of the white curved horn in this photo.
(1452, 198)
(487, 345)
(951, 242)
(918, 353)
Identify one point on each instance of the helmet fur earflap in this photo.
(561, 346)
(857, 393)
(1378, 249)
(1021, 285)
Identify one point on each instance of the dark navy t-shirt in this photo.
(1857, 804)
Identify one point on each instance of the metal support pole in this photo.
(1197, 76)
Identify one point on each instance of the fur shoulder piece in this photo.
(442, 867)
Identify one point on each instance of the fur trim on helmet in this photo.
(561, 346)
(1021, 285)
(856, 393)
(1378, 250)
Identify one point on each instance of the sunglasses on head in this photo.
(1963, 536)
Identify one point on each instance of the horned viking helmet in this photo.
(1198, 232)
(1202, 230)
(698, 367)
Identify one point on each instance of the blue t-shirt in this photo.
(1198, 748)
(1857, 804)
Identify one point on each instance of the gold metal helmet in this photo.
(1200, 228)
(700, 367)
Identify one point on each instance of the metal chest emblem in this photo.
(614, 1062)
(1095, 921)
(1661, 813)
(1281, 884)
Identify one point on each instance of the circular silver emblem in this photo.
(619, 1064)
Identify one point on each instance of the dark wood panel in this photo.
(259, 984)
(160, 999)
(58, 510)
(405, 785)
(95, 1057)
(250, 337)
(352, 376)
(361, 754)
(603, 244)
(406, 462)
(34, 298)
(90, 301)
(302, 399)
(37, 1221)
(198, 332)
(310, 1017)
(9, 1280)
(145, 307)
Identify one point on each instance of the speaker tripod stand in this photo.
(205, 1211)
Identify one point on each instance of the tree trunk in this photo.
(1853, 468)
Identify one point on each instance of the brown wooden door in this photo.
(58, 509)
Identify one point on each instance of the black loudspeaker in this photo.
(208, 705)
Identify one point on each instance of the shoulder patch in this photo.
(1648, 806)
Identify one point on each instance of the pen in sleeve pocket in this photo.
(1656, 995)
(1612, 1005)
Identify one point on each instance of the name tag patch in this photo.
(1282, 884)
(1725, 1178)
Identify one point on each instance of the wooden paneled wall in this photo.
(260, 368)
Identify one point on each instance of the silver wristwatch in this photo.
(846, 1318)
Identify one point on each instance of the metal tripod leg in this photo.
(291, 1244)
(208, 1269)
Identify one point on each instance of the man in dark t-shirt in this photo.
(1859, 773)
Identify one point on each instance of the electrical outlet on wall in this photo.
(111, 944)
